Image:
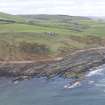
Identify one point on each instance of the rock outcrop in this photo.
(78, 62)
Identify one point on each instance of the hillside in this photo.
(58, 21)
(7, 18)
(28, 37)
(74, 24)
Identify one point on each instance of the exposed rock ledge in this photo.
(78, 62)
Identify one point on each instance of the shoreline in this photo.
(71, 65)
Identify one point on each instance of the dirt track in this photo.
(78, 62)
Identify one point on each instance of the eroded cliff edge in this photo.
(72, 65)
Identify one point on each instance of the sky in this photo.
(65, 7)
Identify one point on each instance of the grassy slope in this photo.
(7, 17)
(59, 24)
(78, 25)
(71, 33)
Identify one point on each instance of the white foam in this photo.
(16, 82)
(72, 86)
(95, 72)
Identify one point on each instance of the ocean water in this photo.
(40, 91)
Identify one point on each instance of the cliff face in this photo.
(78, 63)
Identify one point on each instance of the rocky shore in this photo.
(72, 65)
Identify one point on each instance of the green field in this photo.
(47, 35)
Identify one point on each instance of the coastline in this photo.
(73, 65)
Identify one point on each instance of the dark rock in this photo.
(78, 62)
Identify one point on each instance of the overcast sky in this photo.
(68, 7)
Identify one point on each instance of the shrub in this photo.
(33, 48)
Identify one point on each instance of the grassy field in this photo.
(25, 37)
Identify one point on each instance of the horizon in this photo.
(55, 15)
